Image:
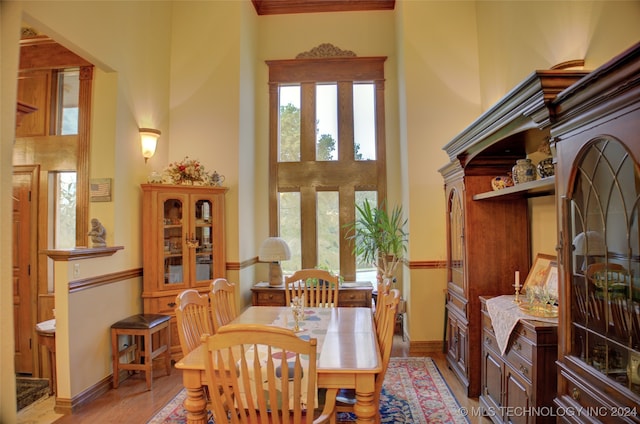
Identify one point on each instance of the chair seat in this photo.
(141, 321)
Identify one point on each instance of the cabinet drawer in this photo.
(162, 305)
(522, 346)
(580, 396)
(353, 298)
(486, 321)
(489, 341)
(271, 298)
(582, 392)
(520, 365)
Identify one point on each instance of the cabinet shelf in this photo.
(541, 187)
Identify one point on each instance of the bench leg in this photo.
(116, 358)
(167, 342)
(148, 361)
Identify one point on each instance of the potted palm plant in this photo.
(379, 238)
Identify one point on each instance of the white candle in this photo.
(517, 278)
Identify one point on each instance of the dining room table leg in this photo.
(195, 403)
(365, 409)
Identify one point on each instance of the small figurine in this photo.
(97, 233)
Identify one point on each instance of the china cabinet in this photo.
(597, 137)
(184, 245)
(487, 230)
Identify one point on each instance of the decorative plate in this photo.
(500, 182)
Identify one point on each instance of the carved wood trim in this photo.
(84, 145)
(281, 7)
(325, 50)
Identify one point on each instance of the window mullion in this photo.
(347, 201)
(381, 154)
(345, 121)
(308, 211)
(308, 122)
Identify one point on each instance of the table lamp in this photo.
(273, 250)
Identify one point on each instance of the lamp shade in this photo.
(589, 243)
(274, 249)
(149, 141)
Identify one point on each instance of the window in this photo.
(328, 152)
(67, 101)
(64, 210)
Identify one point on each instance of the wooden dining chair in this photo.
(383, 288)
(346, 398)
(611, 278)
(223, 302)
(319, 287)
(193, 317)
(622, 322)
(239, 355)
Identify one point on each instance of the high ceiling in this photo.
(279, 7)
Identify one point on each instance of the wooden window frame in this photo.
(344, 175)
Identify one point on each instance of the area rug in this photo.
(414, 391)
(29, 390)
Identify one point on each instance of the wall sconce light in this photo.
(149, 141)
(273, 250)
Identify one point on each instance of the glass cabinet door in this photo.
(456, 239)
(201, 240)
(605, 287)
(174, 249)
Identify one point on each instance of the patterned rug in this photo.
(29, 390)
(414, 391)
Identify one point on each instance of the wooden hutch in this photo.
(184, 245)
(596, 132)
(488, 231)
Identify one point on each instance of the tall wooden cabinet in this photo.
(183, 245)
(488, 231)
(597, 136)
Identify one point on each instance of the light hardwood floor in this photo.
(131, 403)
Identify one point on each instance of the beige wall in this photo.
(441, 94)
(458, 59)
(9, 25)
(130, 91)
(196, 71)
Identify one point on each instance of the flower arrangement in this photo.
(187, 170)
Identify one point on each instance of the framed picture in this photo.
(539, 271)
(551, 282)
(100, 190)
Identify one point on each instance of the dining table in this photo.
(348, 355)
